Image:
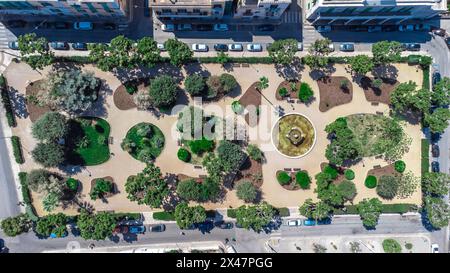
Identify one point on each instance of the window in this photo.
(217, 6)
(182, 10)
(196, 10)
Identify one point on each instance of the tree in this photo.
(163, 91)
(283, 51)
(179, 52)
(48, 154)
(191, 190)
(96, 226)
(316, 62)
(438, 120)
(147, 187)
(255, 153)
(246, 191)
(187, 216)
(147, 52)
(263, 83)
(120, 53)
(407, 184)
(361, 64)
(302, 179)
(142, 99)
(316, 211)
(230, 156)
(437, 211)
(436, 184)
(391, 246)
(256, 217)
(17, 225)
(386, 52)
(405, 98)
(52, 224)
(35, 51)
(195, 84)
(52, 126)
(347, 189)
(101, 187)
(222, 58)
(369, 211)
(320, 47)
(441, 92)
(50, 201)
(228, 82)
(305, 93)
(73, 91)
(343, 145)
(387, 187)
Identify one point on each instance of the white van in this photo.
(83, 25)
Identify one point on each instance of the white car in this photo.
(83, 25)
(299, 46)
(168, 27)
(254, 47)
(184, 27)
(331, 47)
(323, 29)
(406, 28)
(235, 47)
(294, 223)
(220, 27)
(200, 48)
(434, 248)
(160, 46)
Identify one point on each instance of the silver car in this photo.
(254, 47)
(200, 48)
(160, 46)
(235, 47)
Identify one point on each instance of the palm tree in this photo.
(263, 83)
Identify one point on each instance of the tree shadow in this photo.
(320, 73)
(19, 103)
(291, 72)
(65, 66)
(172, 199)
(386, 71)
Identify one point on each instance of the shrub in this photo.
(283, 178)
(195, 84)
(48, 154)
(408, 246)
(305, 93)
(228, 82)
(6, 100)
(72, 184)
(131, 88)
(231, 213)
(24, 187)
(391, 246)
(246, 191)
(164, 216)
(387, 187)
(283, 212)
(255, 153)
(370, 182)
(400, 166)
(237, 107)
(17, 149)
(200, 146)
(331, 171)
(163, 91)
(184, 155)
(101, 186)
(283, 92)
(303, 180)
(347, 189)
(52, 126)
(349, 174)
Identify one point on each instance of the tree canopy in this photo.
(48, 154)
(441, 92)
(96, 226)
(17, 225)
(192, 190)
(361, 64)
(187, 216)
(369, 210)
(316, 211)
(437, 211)
(386, 51)
(163, 91)
(52, 126)
(195, 84)
(436, 184)
(438, 120)
(52, 223)
(179, 52)
(256, 217)
(283, 51)
(405, 98)
(35, 51)
(246, 191)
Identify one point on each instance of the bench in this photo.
(297, 169)
(377, 167)
(245, 65)
(236, 65)
(111, 140)
(379, 113)
(374, 104)
(198, 167)
(287, 169)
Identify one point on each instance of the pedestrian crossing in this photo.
(309, 35)
(290, 17)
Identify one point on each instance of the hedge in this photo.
(164, 216)
(231, 213)
(426, 77)
(126, 215)
(6, 100)
(385, 208)
(24, 187)
(17, 149)
(283, 212)
(425, 149)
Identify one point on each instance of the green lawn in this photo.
(89, 143)
(153, 143)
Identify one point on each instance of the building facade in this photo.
(261, 9)
(198, 9)
(68, 8)
(371, 12)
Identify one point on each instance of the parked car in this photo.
(62, 25)
(435, 137)
(184, 27)
(435, 166)
(79, 46)
(204, 27)
(60, 45)
(206, 226)
(83, 25)
(220, 27)
(331, 47)
(221, 47)
(235, 47)
(436, 77)
(294, 223)
(422, 27)
(439, 32)
(299, 46)
(374, 29)
(160, 46)
(16, 23)
(121, 229)
(254, 47)
(323, 29)
(14, 45)
(224, 225)
(434, 248)
(435, 150)
(325, 221)
(168, 27)
(53, 235)
(309, 222)
(265, 27)
(406, 27)
(109, 26)
(136, 229)
(157, 228)
(200, 48)
(347, 47)
(411, 46)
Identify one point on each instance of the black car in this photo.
(440, 32)
(204, 27)
(435, 137)
(206, 226)
(62, 25)
(80, 46)
(435, 150)
(16, 24)
(265, 28)
(157, 228)
(411, 46)
(436, 77)
(435, 166)
(221, 47)
(224, 225)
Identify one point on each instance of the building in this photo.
(261, 9)
(67, 8)
(371, 12)
(191, 9)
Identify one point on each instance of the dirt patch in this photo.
(251, 171)
(293, 186)
(183, 177)
(380, 94)
(380, 171)
(122, 99)
(288, 85)
(332, 93)
(107, 178)
(251, 97)
(35, 111)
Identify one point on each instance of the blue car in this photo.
(53, 235)
(136, 229)
(325, 221)
(309, 222)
